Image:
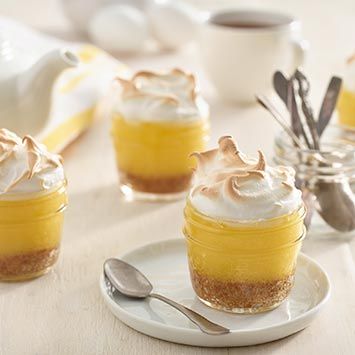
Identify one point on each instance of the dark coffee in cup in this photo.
(246, 24)
(248, 19)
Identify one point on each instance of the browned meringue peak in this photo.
(39, 159)
(22, 159)
(7, 141)
(159, 97)
(230, 185)
(229, 156)
(141, 83)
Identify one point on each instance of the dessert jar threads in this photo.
(244, 229)
(32, 201)
(159, 121)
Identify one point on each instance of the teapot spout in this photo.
(34, 88)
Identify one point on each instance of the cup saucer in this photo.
(165, 265)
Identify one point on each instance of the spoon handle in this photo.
(203, 323)
(328, 105)
(264, 102)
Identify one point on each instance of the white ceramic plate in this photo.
(165, 265)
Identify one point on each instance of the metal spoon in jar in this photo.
(132, 283)
(335, 201)
(336, 204)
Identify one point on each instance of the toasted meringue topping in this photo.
(168, 96)
(231, 186)
(26, 166)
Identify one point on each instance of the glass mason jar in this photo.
(153, 157)
(30, 232)
(240, 267)
(338, 147)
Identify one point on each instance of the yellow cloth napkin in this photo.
(79, 96)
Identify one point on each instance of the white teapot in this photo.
(25, 91)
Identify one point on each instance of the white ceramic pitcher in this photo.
(25, 94)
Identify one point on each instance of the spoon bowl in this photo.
(336, 205)
(130, 282)
(127, 279)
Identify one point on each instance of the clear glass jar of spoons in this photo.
(315, 170)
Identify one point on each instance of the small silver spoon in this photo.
(132, 283)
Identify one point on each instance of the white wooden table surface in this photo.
(63, 313)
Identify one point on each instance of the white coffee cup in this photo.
(241, 49)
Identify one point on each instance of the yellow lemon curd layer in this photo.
(346, 108)
(157, 149)
(32, 223)
(227, 251)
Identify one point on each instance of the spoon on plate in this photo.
(132, 283)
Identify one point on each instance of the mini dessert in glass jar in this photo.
(346, 103)
(159, 121)
(244, 229)
(32, 201)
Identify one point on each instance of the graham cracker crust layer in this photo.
(173, 184)
(230, 295)
(27, 265)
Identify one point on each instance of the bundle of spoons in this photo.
(333, 199)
